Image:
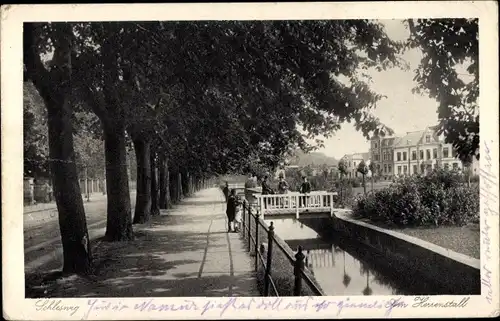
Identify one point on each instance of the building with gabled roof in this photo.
(419, 152)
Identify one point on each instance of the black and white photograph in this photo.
(235, 168)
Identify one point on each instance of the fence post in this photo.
(331, 205)
(249, 232)
(261, 204)
(299, 266)
(297, 203)
(270, 237)
(256, 240)
(243, 217)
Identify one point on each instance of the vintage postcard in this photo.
(250, 160)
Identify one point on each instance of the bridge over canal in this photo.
(293, 205)
(341, 264)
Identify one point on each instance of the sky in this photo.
(401, 110)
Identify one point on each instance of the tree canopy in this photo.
(448, 46)
(244, 88)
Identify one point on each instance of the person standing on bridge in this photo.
(305, 188)
(226, 191)
(232, 204)
(282, 189)
(266, 189)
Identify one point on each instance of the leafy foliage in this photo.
(342, 166)
(362, 168)
(440, 198)
(449, 45)
(262, 85)
(35, 141)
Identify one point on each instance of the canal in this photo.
(342, 267)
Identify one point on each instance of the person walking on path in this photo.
(226, 191)
(238, 214)
(305, 188)
(232, 203)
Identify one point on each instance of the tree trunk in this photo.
(372, 182)
(119, 220)
(364, 184)
(143, 197)
(180, 188)
(55, 88)
(173, 187)
(186, 188)
(72, 222)
(155, 188)
(165, 198)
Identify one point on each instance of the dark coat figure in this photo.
(305, 188)
(266, 189)
(232, 203)
(226, 191)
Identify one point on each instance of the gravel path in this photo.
(184, 252)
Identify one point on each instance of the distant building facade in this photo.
(352, 161)
(417, 152)
(420, 152)
(382, 155)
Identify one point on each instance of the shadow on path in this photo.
(183, 252)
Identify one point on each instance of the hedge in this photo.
(439, 198)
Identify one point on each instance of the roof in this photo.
(410, 139)
(364, 156)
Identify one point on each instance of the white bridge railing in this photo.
(296, 203)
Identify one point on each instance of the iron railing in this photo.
(252, 237)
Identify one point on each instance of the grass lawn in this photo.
(461, 239)
(465, 239)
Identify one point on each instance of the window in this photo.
(446, 166)
(405, 169)
(428, 153)
(445, 152)
(350, 163)
(421, 154)
(429, 168)
(422, 168)
(385, 168)
(376, 145)
(414, 155)
(415, 169)
(376, 157)
(404, 156)
(399, 169)
(455, 165)
(389, 167)
(399, 156)
(435, 153)
(354, 164)
(428, 138)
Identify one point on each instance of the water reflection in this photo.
(344, 268)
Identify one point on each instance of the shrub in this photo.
(440, 198)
